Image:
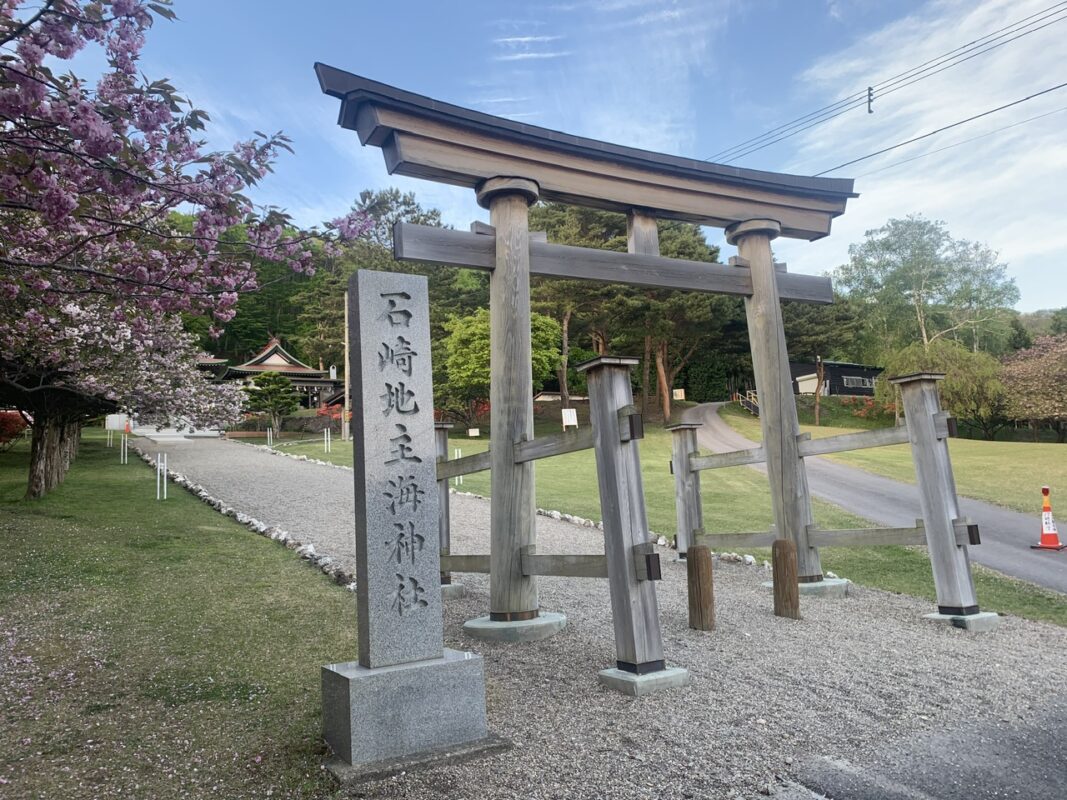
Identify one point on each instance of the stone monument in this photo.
(408, 697)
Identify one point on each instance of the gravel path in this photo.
(768, 695)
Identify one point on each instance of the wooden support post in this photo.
(687, 506)
(642, 238)
(784, 574)
(441, 430)
(701, 589)
(634, 610)
(790, 499)
(937, 494)
(512, 595)
(642, 233)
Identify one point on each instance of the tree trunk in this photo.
(564, 358)
(646, 368)
(49, 456)
(661, 375)
(921, 317)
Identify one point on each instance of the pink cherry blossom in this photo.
(95, 263)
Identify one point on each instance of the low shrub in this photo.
(12, 426)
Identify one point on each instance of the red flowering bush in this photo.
(11, 427)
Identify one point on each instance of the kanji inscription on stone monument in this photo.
(397, 547)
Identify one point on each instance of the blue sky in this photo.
(692, 78)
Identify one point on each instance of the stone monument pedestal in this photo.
(382, 720)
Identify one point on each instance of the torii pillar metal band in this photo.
(790, 499)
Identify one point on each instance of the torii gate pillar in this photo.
(790, 498)
(514, 614)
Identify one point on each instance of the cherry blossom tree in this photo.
(1038, 380)
(95, 266)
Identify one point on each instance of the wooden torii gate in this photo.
(511, 165)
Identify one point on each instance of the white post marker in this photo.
(123, 449)
(164, 476)
(270, 437)
(159, 464)
(458, 453)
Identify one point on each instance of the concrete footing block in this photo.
(638, 685)
(453, 591)
(373, 718)
(827, 587)
(528, 630)
(982, 622)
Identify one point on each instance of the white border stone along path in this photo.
(875, 674)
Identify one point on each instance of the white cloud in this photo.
(1005, 189)
(530, 56)
(632, 73)
(522, 40)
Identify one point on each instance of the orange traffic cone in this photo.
(1050, 538)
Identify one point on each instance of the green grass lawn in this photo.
(155, 649)
(738, 499)
(1009, 474)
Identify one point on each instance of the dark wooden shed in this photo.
(839, 378)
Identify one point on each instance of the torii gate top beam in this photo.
(426, 138)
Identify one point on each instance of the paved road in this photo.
(1006, 535)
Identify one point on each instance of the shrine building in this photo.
(314, 385)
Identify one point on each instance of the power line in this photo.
(942, 129)
(962, 141)
(863, 100)
(925, 66)
(896, 86)
(927, 69)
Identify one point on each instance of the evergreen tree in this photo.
(272, 394)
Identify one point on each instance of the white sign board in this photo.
(678, 394)
(116, 422)
(474, 433)
(570, 418)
